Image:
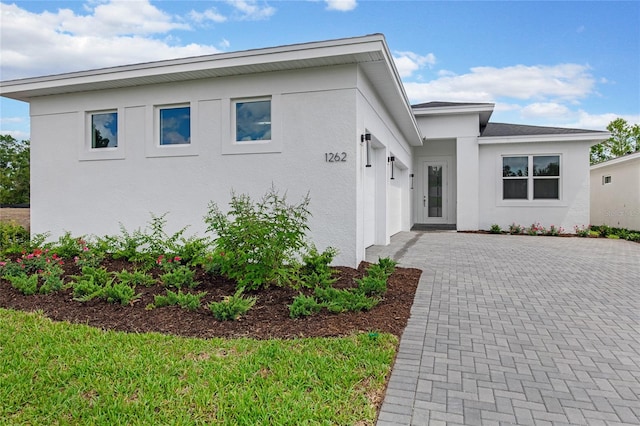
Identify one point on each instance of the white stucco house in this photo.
(615, 192)
(329, 118)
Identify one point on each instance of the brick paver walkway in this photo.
(517, 330)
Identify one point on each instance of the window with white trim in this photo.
(175, 125)
(531, 177)
(252, 120)
(104, 129)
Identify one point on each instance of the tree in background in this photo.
(625, 139)
(14, 170)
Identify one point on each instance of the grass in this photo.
(59, 374)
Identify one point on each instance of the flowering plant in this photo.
(582, 230)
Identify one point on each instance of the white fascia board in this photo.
(618, 160)
(454, 110)
(413, 136)
(282, 54)
(593, 138)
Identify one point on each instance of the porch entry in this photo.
(435, 190)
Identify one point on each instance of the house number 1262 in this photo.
(335, 157)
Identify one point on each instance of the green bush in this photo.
(85, 289)
(179, 277)
(372, 285)
(344, 300)
(258, 243)
(387, 264)
(188, 301)
(315, 270)
(118, 292)
(68, 247)
(495, 229)
(52, 279)
(304, 306)
(14, 239)
(232, 307)
(135, 278)
(26, 284)
(633, 236)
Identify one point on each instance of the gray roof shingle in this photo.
(504, 129)
(440, 104)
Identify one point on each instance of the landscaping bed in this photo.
(268, 318)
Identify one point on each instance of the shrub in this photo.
(535, 229)
(258, 243)
(553, 231)
(582, 230)
(86, 289)
(135, 278)
(315, 270)
(387, 264)
(633, 236)
(372, 285)
(24, 283)
(344, 300)
(232, 307)
(118, 292)
(187, 301)
(68, 247)
(180, 276)
(52, 279)
(515, 229)
(304, 306)
(13, 238)
(495, 229)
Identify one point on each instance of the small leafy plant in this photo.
(495, 229)
(179, 277)
(26, 284)
(188, 301)
(232, 307)
(344, 300)
(315, 270)
(13, 238)
(582, 231)
(135, 278)
(304, 306)
(515, 229)
(553, 231)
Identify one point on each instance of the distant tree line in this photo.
(625, 139)
(14, 170)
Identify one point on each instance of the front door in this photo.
(434, 197)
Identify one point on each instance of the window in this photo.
(175, 125)
(606, 180)
(104, 130)
(253, 120)
(519, 184)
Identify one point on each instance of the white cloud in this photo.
(48, 43)
(408, 62)
(341, 5)
(208, 15)
(544, 110)
(250, 10)
(584, 120)
(567, 82)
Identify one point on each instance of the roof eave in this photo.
(592, 137)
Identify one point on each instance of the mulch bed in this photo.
(267, 319)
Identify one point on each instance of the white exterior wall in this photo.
(392, 197)
(573, 207)
(439, 150)
(313, 111)
(616, 204)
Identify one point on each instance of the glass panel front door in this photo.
(434, 198)
(434, 192)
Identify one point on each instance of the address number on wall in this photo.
(335, 157)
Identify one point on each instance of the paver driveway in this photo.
(517, 330)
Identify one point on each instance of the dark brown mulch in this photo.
(269, 317)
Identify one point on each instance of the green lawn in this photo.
(61, 374)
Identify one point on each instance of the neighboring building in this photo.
(615, 192)
(329, 118)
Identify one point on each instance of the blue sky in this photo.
(571, 64)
